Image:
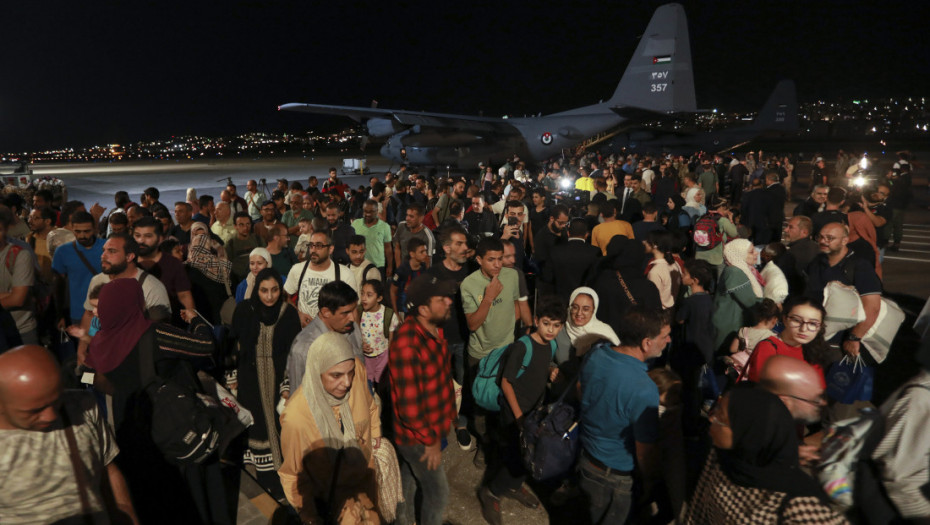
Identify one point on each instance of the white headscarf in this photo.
(250, 277)
(691, 197)
(327, 351)
(734, 253)
(582, 337)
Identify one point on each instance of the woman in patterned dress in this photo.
(752, 475)
(264, 326)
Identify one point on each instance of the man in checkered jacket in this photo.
(423, 398)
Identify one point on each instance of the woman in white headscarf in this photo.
(739, 288)
(329, 429)
(694, 203)
(583, 327)
(259, 259)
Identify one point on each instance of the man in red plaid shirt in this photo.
(423, 398)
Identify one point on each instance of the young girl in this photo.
(378, 323)
(764, 317)
(663, 270)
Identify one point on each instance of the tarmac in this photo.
(905, 273)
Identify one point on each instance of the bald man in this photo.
(800, 388)
(43, 432)
(797, 384)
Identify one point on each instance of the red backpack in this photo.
(706, 231)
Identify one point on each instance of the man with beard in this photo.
(339, 232)
(454, 268)
(308, 279)
(422, 398)
(241, 245)
(166, 269)
(120, 260)
(410, 228)
(336, 304)
(552, 234)
(76, 263)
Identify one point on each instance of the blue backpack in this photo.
(486, 388)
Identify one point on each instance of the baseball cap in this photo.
(425, 287)
(283, 180)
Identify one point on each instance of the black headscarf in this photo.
(268, 315)
(765, 446)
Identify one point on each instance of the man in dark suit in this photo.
(570, 261)
(775, 192)
(755, 213)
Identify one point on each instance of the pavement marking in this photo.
(893, 258)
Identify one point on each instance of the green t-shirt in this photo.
(375, 238)
(497, 329)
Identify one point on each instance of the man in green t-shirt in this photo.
(489, 299)
(377, 235)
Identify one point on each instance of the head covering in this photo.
(734, 253)
(691, 197)
(583, 337)
(121, 309)
(861, 226)
(425, 287)
(268, 315)
(327, 351)
(199, 226)
(765, 445)
(626, 255)
(202, 258)
(250, 277)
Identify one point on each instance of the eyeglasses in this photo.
(796, 322)
(318, 245)
(819, 401)
(828, 238)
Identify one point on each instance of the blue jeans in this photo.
(432, 484)
(610, 493)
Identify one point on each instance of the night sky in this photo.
(87, 73)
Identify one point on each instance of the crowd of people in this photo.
(670, 300)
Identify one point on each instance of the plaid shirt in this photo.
(421, 385)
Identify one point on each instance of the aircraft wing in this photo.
(469, 123)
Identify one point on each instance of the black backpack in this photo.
(188, 426)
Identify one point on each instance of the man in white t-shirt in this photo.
(43, 431)
(305, 279)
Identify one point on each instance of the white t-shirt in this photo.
(156, 295)
(308, 301)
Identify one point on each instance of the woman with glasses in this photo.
(802, 338)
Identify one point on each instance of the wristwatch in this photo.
(852, 337)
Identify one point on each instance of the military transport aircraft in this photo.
(779, 114)
(657, 82)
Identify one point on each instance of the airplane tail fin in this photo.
(780, 112)
(659, 77)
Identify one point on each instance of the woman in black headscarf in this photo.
(620, 282)
(265, 325)
(752, 474)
